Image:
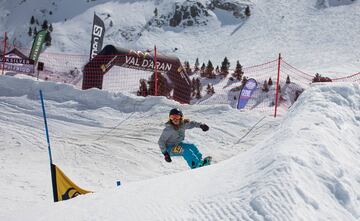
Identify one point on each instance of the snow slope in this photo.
(302, 167)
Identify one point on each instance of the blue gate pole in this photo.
(46, 127)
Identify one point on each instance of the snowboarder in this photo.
(171, 140)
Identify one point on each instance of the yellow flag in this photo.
(63, 187)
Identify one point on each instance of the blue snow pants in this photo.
(189, 151)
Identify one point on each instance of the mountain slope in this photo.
(296, 29)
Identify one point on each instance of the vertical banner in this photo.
(97, 36)
(246, 92)
(37, 45)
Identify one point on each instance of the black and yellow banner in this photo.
(63, 187)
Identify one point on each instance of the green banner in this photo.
(37, 45)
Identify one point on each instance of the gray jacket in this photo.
(172, 136)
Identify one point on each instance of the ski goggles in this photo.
(175, 117)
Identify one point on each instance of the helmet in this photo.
(175, 111)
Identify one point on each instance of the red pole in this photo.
(155, 70)
(277, 85)
(3, 65)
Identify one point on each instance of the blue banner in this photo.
(246, 92)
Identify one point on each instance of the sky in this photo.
(301, 165)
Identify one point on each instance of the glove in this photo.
(167, 157)
(204, 127)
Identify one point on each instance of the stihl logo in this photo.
(97, 31)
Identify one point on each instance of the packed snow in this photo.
(302, 165)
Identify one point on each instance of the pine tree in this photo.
(198, 88)
(45, 25)
(48, 39)
(187, 67)
(238, 73)
(143, 91)
(265, 86)
(225, 67)
(111, 23)
(32, 20)
(243, 82)
(163, 87)
(202, 70)
(288, 80)
(196, 67)
(209, 70)
(270, 82)
(247, 11)
(35, 31)
(30, 31)
(156, 12)
(51, 28)
(193, 87)
(210, 89)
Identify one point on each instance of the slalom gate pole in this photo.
(46, 127)
(52, 167)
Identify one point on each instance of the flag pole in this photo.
(46, 127)
(52, 167)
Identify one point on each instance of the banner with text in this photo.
(37, 45)
(97, 36)
(246, 92)
(17, 62)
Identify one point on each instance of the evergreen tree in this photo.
(156, 12)
(30, 31)
(32, 20)
(210, 89)
(202, 70)
(163, 87)
(35, 31)
(270, 82)
(209, 70)
(45, 25)
(193, 87)
(265, 86)
(51, 28)
(238, 73)
(143, 91)
(198, 88)
(196, 68)
(111, 23)
(217, 70)
(48, 39)
(247, 11)
(288, 80)
(225, 67)
(243, 82)
(187, 67)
